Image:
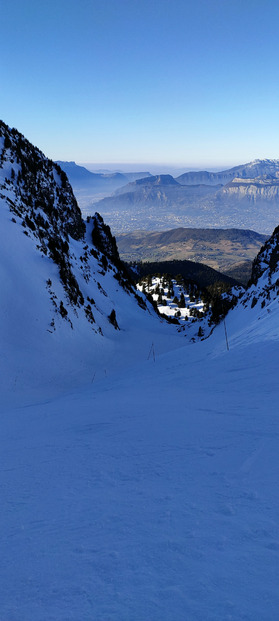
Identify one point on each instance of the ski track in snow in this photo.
(146, 495)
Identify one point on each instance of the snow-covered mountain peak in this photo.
(263, 161)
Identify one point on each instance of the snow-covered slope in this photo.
(138, 471)
(147, 495)
(66, 302)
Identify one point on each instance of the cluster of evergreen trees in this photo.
(215, 298)
(168, 290)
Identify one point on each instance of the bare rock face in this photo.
(102, 238)
(258, 189)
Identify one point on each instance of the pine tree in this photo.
(181, 302)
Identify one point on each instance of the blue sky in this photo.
(191, 83)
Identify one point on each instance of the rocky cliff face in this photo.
(205, 178)
(259, 189)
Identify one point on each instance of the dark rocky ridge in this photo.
(40, 197)
(263, 288)
(267, 259)
(39, 186)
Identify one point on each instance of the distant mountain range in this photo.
(246, 196)
(89, 186)
(254, 169)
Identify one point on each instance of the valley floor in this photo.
(151, 495)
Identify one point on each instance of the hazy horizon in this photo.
(154, 168)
